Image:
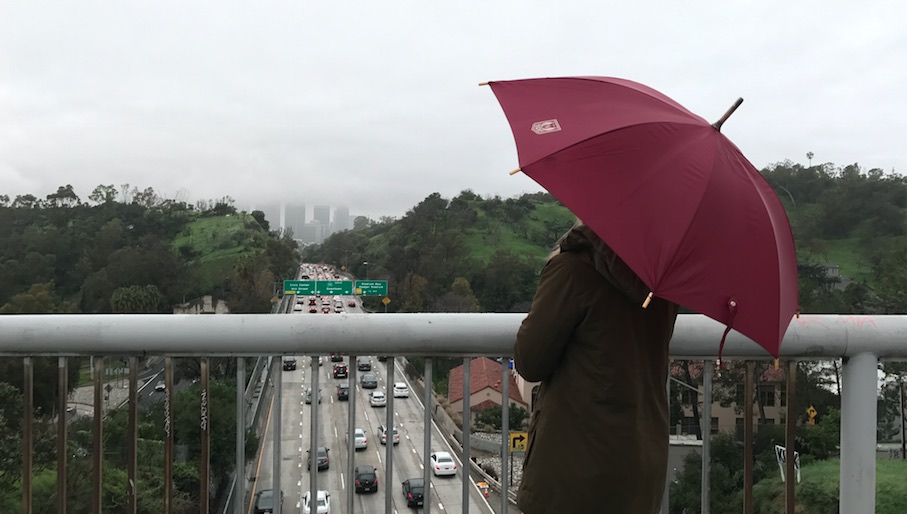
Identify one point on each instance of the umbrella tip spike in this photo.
(483, 83)
(727, 115)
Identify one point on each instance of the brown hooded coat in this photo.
(598, 436)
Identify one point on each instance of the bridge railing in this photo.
(861, 340)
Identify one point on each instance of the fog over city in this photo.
(376, 105)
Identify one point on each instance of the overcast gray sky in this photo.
(375, 104)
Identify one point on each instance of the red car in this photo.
(351, 303)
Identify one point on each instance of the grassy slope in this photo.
(483, 243)
(220, 242)
(818, 491)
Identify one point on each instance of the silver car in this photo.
(360, 442)
(377, 399)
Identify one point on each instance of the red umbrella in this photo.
(676, 200)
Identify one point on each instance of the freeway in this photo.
(446, 492)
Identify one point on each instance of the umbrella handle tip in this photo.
(514, 172)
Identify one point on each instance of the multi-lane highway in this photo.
(446, 493)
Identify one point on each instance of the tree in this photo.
(414, 287)
(104, 195)
(137, 299)
(250, 286)
(459, 299)
(260, 218)
(492, 416)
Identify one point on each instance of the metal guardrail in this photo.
(862, 340)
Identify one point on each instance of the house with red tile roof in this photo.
(485, 386)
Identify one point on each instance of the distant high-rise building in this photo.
(294, 215)
(322, 214)
(342, 219)
(311, 233)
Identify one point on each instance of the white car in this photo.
(377, 399)
(360, 441)
(442, 464)
(323, 503)
(400, 390)
(160, 386)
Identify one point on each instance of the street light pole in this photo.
(366, 269)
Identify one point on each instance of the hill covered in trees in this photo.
(471, 253)
(131, 251)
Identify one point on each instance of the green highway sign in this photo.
(333, 287)
(299, 287)
(371, 287)
(313, 287)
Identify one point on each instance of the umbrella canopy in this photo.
(674, 198)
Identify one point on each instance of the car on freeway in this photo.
(400, 390)
(363, 363)
(413, 491)
(160, 386)
(351, 303)
(313, 301)
(366, 479)
(324, 459)
(313, 310)
(442, 464)
(377, 399)
(322, 503)
(297, 307)
(289, 363)
(264, 501)
(360, 441)
(368, 381)
(340, 371)
(325, 310)
(338, 309)
(343, 392)
(308, 396)
(336, 357)
(382, 435)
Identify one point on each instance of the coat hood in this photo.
(582, 239)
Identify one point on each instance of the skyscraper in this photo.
(342, 219)
(322, 214)
(295, 218)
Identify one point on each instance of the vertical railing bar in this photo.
(28, 412)
(505, 433)
(97, 443)
(790, 430)
(277, 373)
(240, 490)
(205, 426)
(389, 436)
(62, 425)
(351, 430)
(314, 434)
(665, 496)
(467, 421)
(168, 435)
(748, 438)
(426, 435)
(708, 371)
(132, 438)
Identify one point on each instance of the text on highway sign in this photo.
(371, 287)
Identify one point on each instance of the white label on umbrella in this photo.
(546, 127)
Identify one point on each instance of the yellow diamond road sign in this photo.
(811, 411)
(518, 441)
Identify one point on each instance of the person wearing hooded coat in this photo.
(598, 434)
